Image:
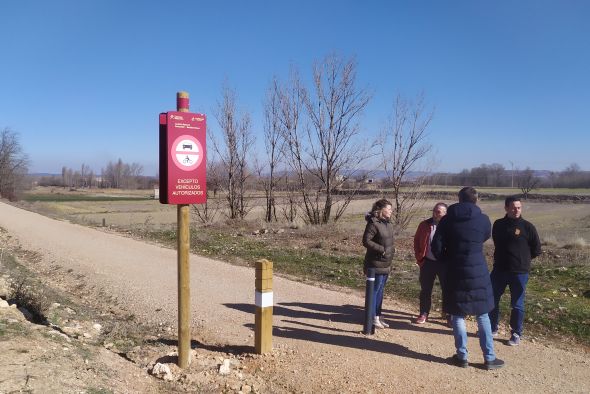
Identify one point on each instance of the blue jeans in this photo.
(517, 285)
(486, 341)
(380, 280)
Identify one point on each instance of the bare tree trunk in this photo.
(291, 203)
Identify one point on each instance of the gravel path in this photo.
(320, 327)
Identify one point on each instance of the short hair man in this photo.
(459, 242)
(516, 243)
(429, 267)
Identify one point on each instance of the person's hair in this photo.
(468, 194)
(378, 206)
(440, 204)
(509, 200)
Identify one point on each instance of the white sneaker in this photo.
(383, 322)
(377, 323)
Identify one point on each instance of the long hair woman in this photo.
(378, 239)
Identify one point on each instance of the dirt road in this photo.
(321, 327)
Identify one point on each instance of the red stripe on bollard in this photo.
(182, 103)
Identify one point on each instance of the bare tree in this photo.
(76, 179)
(70, 177)
(113, 174)
(131, 174)
(208, 212)
(14, 165)
(328, 144)
(84, 170)
(404, 145)
(122, 175)
(573, 176)
(90, 179)
(497, 171)
(527, 181)
(290, 107)
(234, 153)
(64, 174)
(273, 144)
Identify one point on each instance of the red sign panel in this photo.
(183, 176)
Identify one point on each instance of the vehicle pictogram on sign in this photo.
(187, 152)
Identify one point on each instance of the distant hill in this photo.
(377, 174)
(40, 174)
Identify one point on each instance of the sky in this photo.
(83, 82)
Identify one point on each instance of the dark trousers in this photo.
(517, 285)
(428, 272)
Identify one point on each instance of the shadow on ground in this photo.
(233, 349)
(292, 326)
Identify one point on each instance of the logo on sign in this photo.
(187, 152)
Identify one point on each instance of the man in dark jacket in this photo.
(429, 267)
(459, 242)
(516, 242)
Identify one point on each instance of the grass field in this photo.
(558, 300)
(74, 197)
(507, 191)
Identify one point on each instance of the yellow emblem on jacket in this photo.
(517, 231)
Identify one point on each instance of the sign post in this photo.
(183, 182)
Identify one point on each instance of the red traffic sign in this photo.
(183, 175)
(187, 152)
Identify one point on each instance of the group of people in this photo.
(449, 245)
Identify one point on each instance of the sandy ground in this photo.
(320, 326)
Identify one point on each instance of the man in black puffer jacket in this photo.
(458, 242)
(516, 242)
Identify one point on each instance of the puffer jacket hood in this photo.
(463, 211)
(369, 218)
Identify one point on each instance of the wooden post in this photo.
(263, 317)
(183, 239)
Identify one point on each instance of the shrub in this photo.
(550, 240)
(578, 243)
(22, 294)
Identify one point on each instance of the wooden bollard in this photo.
(263, 319)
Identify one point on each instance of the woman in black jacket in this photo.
(378, 239)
